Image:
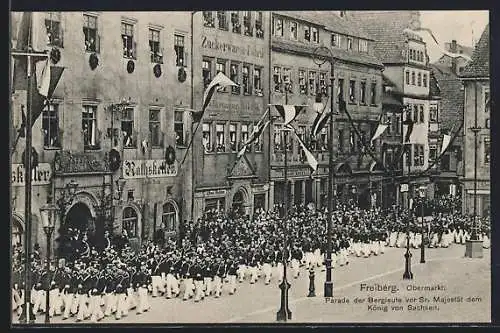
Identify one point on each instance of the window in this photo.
(302, 82)
(341, 89)
(349, 43)
(424, 80)
(422, 115)
(129, 222)
(179, 128)
(413, 78)
(247, 24)
(335, 40)
(407, 76)
(301, 131)
(341, 141)
(235, 22)
(323, 144)
(259, 144)
(287, 80)
(219, 135)
(307, 33)
(89, 126)
(278, 27)
(419, 79)
(432, 153)
(154, 46)
(277, 138)
(234, 76)
(155, 128)
(169, 217)
(411, 54)
(232, 137)
(277, 79)
(220, 67)
(128, 127)
(244, 135)
(90, 32)
(352, 145)
(257, 81)
(433, 113)
(207, 137)
(128, 40)
(53, 28)
(315, 35)
(322, 84)
(352, 91)
(312, 83)
(373, 94)
(180, 54)
(259, 30)
(207, 72)
(208, 19)
(415, 114)
(221, 17)
(418, 155)
(487, 123)
(362, 93)
(363, 45)
(293, 30)
(245, 75)
(487, 150)
(487, 101)
(50, 126)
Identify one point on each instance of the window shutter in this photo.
(160, 60)
(98, 138)
(134, 50)
(135, 138)
(61, 35)
(98, 43)
(161, 139)
(185, 60)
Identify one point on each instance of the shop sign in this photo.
(68, 162)
(215, 193)
(133, 169)
(291, 173)
(227, 47)
(40, 175)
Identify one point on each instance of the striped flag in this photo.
(319, 122)
(379, 131)
(44, 82)
(446, 142)
(408, 128)
(256, 132)
(311, 160)
(288, 112)
(219, 81)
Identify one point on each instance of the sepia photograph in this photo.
(249, 167)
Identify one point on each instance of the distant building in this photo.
(477, 143)
(462, 57)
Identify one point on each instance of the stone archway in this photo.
(17, 230)
(240, 201)
(79, 217)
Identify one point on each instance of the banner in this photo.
(40, 175)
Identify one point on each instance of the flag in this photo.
(256, 132)
(409, 128)
(44, 83)
(220, 80)
(319, 122)
(378, 132)
(311, 160)
(21, 131)
(446, 142)
(288, 112)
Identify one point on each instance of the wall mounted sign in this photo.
(215, 193)
(228, 47)
(66, 162)
(291, 173)
(133, 169)
(40, 175)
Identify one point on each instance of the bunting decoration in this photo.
(446, 142)
(408, 129)
(379, 131)
(257, 131)
(288, 112)
(311, 160)
(319, 122)
(219, 81)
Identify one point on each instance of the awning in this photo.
(389, 99)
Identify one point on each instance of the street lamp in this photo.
(120, 184)
(328, 288)
(422, 190)
(354, 198)
(48, 215)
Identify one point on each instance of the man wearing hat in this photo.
(232, 268)
(208, 272)
(196, 270)
(219, 275)
(186, 271)
(141, 282)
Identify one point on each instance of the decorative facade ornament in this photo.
(181, 75)
(93, 61)
(130, 66)
(242, 168)
(157, 70)
(67, 162)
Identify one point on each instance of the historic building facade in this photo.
(295, 79)
(477, 142)
(236, 44)
(126, 86)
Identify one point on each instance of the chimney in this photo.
(453, 46)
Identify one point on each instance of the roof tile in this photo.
(479, 66)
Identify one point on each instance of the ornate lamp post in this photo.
(48, 214)
(318, 106)
(421, 191)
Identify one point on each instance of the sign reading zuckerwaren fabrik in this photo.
(148, 169)
(245, 50)
(40, 175)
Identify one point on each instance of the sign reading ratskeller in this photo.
(148, 169)
(40, 175)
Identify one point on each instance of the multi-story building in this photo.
(296, 79)
(404, 55)
(110, 57)
(461, 57)
(236, 44)
(476, 144)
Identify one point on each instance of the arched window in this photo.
(130, 221)
(17, 232)
(169, 217)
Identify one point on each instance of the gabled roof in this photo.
(329, 20)
(466, 50)
(387, 28)
(480, 63)
(452, 96)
